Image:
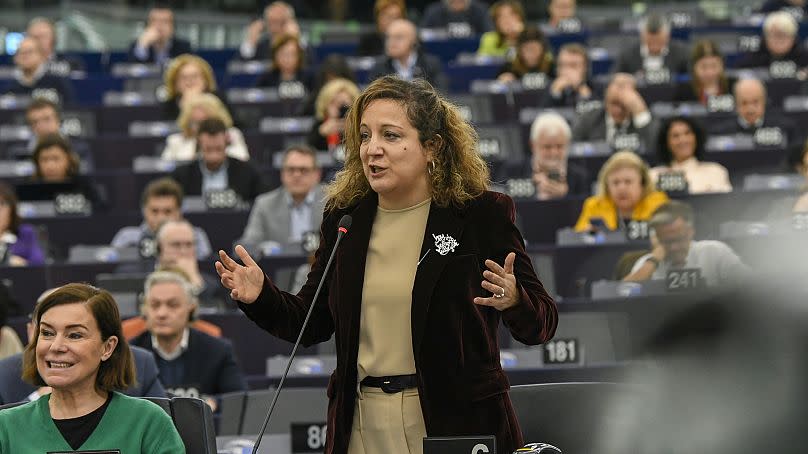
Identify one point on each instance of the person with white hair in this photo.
(655, 51)
(554, 176)
(780, 36)
(752, 115)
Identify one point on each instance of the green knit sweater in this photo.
(131, 425)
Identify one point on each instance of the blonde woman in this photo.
(431, 264)
(181, 146)
(186, 76)
(625, 193)
(330, 110)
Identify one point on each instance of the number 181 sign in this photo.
(562, 351)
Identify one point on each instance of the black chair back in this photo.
(194, 421)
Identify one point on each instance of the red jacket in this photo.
(462, 388)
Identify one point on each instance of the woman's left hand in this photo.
(500, 281)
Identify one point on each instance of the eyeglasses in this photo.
(300, 170)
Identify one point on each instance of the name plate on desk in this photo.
(458, 30)
(570, 25)
(627, 142)
(460, 445)
(657, 76)
(489, 148)
(799, 221)
(769, 137)
(520, 187)
(291, 90)
(637, 231)
(225, 199)
(534, 81)
(308, 437)
(105, 451)
(672, 182)
(562, 351)
(720, 103)
(72, 204)
(683, 280)
(783, 70)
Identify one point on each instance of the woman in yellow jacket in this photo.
(625, 193)
(509, 22)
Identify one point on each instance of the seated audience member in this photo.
(792, 6)
(191, 363)
(286, 213)
(781, 44)
(680, 148)
(43, 30)
(14, 389)
(55, 162)
(19, 245)
(186, 76)
(161, 201)
(673, 248)
(158, 43)
(371, 43)
(335, 66)
(286, 64)
(176, 249)
(214, 170)
(533, 56)
(78, 350)
(462, 18)
(330, 109)
(509, 22)
(561, 11)
(625, 193)
(31, 76)
(43, 118)
(624, 114)
(279, 19)
(181, 146)
(10, 344)
(571, 85)
(404, 58)
(655, 52)
(554, 176)
(750, 105)
(707, 77)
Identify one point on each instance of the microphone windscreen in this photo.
(345, 222)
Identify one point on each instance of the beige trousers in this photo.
(387, 423)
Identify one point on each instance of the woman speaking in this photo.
(418, 287)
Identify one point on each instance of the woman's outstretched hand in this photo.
(244, 282)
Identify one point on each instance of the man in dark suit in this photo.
(32, 78)
(14, 389)
(462, 18)
(750, 105)
(279, 19)
(157, 43)
(403, 58)
(625, 121)
(214, 170)
(655, 52)
(43, 30)
(191, 363)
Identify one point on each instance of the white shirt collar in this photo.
(176, 353)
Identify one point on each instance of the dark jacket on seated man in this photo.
(426, 67)
(46, 86)
(14, 389)
(763, 58)
(178, 46)
(591, 127)
(578, 180)
(676, 61)
(770, 120)
(206, 367)
(242, 178)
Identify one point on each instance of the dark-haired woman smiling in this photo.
(680, 147)
(79, 351)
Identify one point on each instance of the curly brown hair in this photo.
(459, 174)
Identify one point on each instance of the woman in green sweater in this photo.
(78, 351)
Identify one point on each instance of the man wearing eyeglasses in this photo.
(279, 218)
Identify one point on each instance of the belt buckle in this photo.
(392, 387)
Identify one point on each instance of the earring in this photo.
(430, 167)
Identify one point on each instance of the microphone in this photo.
(344, 225)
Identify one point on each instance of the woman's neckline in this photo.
(410, 208)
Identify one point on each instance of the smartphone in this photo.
(555, 175)
(598, 224)
(343, 111)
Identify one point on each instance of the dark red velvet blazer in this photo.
(463, 390)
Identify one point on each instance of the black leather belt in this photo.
(392, 384)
